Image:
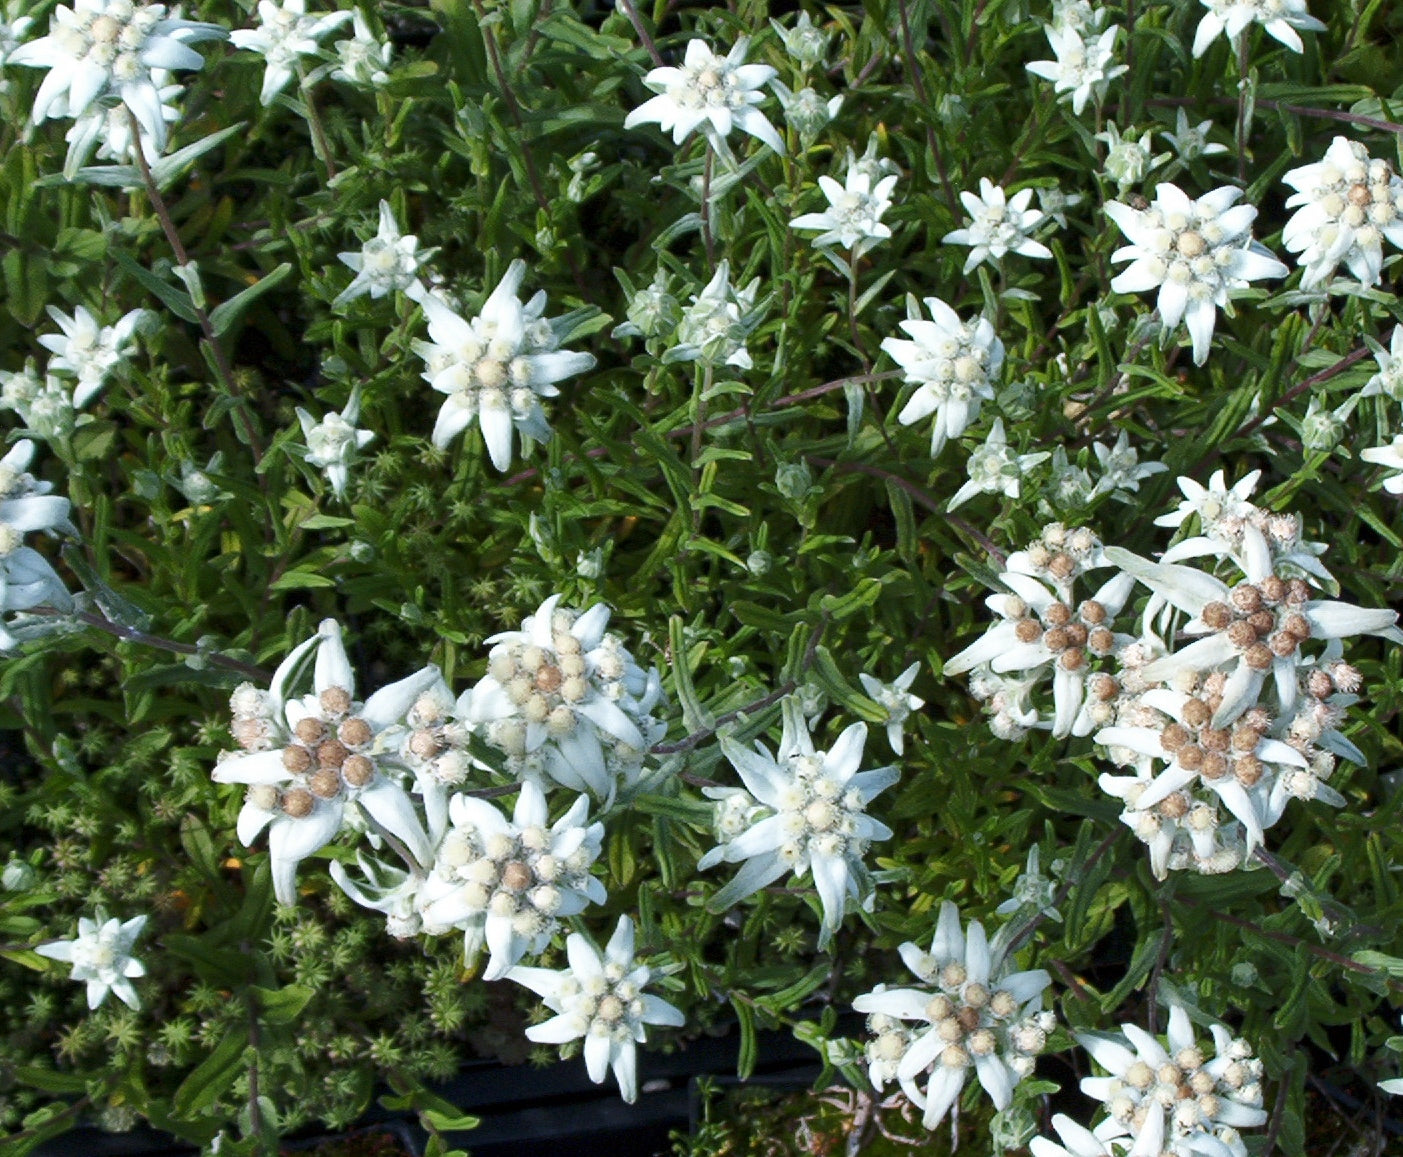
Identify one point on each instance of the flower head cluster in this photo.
(101, 955)
(103, 51)
(333, 442)
(816, 821)
(567, 691)
(1191, 141)
(306, 758)
(1043, 630)
(1279, 19)
(600, 997)
(715, 93)
(998, 225)
(807, 112)
(107, 130)
(284, 35)
(1194, 252)
(714, 327)
(954, 365)
(497, 367)
(1083, 66)
(1128, 158)
(896, 700)
(1346, 206)
(387, 263)
(88, 350)
(1246, 716)
(1121, 468)
(365, 60)
(853, 218)
(508, 883)
(1175, 1097)
(972, 1013)
(995, 469)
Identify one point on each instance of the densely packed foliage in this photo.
(501, 507)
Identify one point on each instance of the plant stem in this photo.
(643, 38)
(1241, 135)
(132, 635)
(707, 239)
(320, 145)
(913, 65)
(220, 359)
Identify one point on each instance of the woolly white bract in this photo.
(101, 955)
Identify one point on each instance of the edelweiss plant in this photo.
(828, 373)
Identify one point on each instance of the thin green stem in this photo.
(320, 144)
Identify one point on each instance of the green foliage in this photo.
(760, 532)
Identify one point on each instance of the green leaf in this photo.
(214, 1075)
(225, 316)
(26, 286)
(749, 1045)
(298, 580)
(177, 300)
(281, 1005)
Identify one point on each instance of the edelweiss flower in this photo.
(1121, 468)
(897, 700)
(1194, 252)
(496, 367)
(305, 758)
(1081, 67)
(715, 326)
(1174, 1097)
(14, 27)
(853, 218)
(1278, 18)
(953, 363)
(565, 688)
(998, 225)
(108, 130)
(806, 45)
(1390, 457)
(978, 1015)
(1037, 629)
(1346, 206)
(89, 351)
(600, 997)
(26, 578)
(1389, 380)
(509, 884)
(1054, 204)
(101, 954)
(364, 59)
(1259, 626)
(713, 92)
(333, 442)
(1191, 142)
(995, 469)
(284, 35)
(101, 50)
(817, 801)
(1128, 159)
(806, 111)
(387, 263)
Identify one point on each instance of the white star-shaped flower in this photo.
(896, 699)
(496, 368)
(1193, 252)
(284, 35)
(600, 997)
(976, 1015)
(306, 758)
(387, 263)
(714, 327)
(1346, 206)
(101, 955)
(1175, 1096)
(995, 469)
(713, 92)
(954, 365)
(1278, 18)
(1083, 65)
(853, 218)
(508, 883)
(102, 50)
(817, 801)
(998, 225)
(333, 442)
